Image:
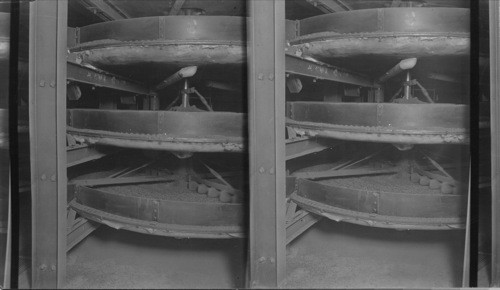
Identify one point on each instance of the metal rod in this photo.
(405, 64)
(424, 92)
(185, 94)
(407, 86)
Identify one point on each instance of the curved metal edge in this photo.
(332, 36)
(106, 44)
(378, 134)
(152, 228)
(176, 144)
(393, 19)
(375, 220)
(175, 28)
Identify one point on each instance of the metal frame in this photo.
(81, 74)
(330, 6)
(267, 232)
(105, 10)
(299, 66)
(47, 81)
(495, 140)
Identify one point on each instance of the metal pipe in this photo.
(185, 95)
(183, 73)
(403, 65)
(407, 86)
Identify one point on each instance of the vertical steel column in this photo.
(495, 139)
(47, 106)
(267, 234)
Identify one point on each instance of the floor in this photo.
(341, 255)
(330, 255)
(120, 259)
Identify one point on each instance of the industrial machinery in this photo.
(184, 97)
(401, 149)
(376, 114)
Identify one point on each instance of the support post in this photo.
(495, 139)
(267, 232)
(47, 106)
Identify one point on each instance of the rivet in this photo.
(53, 267)
(52, 84)
(271, 171)
(53, 177)
(43, 177)
(262, 170)
(261, 260)
(272, 260)
(42, 83)
(43, 267)
(260, 76)
(271, 77)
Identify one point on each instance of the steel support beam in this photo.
(176, 7)
(302, 67)
(267, 233)
(302, 146)
(82, 74)
(79, 154)
(47, 106)
(105, 10)
(330, 6)
(495, 139)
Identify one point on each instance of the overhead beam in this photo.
(330, 6)
(176, 7)
(105, 10)
(302, 67)
(82, 74)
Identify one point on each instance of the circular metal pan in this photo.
(169, 41)
(392, 32)
(403, 211)
(160, 130)
(181, 219)
(381, 122)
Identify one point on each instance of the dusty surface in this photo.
(329, 255)
(121, 259)
(166, 191)
(387, 183)
(341, 255)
